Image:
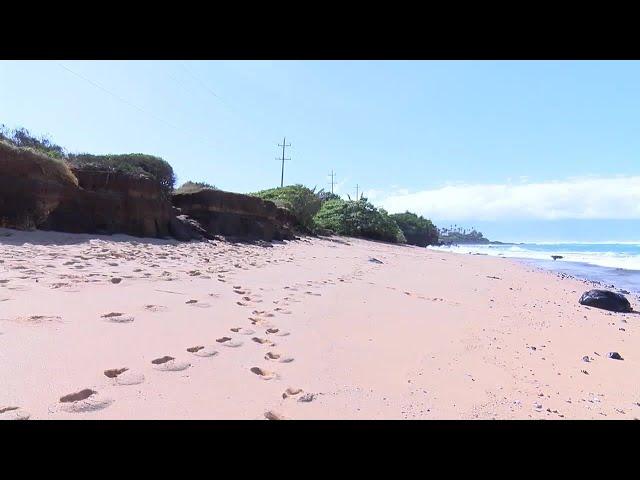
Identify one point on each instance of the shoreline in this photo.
(307, 329)
(601, 276)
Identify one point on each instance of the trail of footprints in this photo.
(89, 399)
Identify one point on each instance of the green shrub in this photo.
(194, 187)
(331, 215)
(22, 138)
(326, 196)
(301, 201)
(134, 164)
(416, 229)
(358, 219)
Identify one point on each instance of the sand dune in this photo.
(116, 327)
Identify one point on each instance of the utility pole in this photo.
(332, 175)
(284, 144)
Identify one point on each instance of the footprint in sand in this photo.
(242, 331)
(202, 351)
(263, 374)
(117, 317)
(124, 376)
(239, 292)
(276, 331)
(291, 392)
(259, 322)
(272, 415)
(282, 310)
(39, 319)
(263, 341)
(229, 342)
(195, 303)
(86, 400)
(13, 413)
(156, 308)
(169, 364)
(276, 357)
(114, 372)
(307, 397)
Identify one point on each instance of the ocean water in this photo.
(616, 265)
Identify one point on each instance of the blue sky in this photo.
(523, 150)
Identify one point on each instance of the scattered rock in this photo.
(375, 260)
(615, 356)
(116, 280)
(556, 257)
(307, 397)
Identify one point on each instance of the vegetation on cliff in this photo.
(301, 201)
(416, 229)
(22, 138)
(194, 187)
(34, 163)
(132, 164)
(358, 219)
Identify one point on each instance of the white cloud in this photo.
(579, 198)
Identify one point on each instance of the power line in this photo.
(284, 144)
(199, 80)
(118, 97)
(132, 104)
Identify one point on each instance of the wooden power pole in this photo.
(284, 144)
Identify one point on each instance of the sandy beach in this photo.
(117, 327)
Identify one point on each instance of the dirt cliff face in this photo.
(39, 192)
(237, 215)
(31, 187)
(113, 203)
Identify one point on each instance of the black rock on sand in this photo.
(606, 300)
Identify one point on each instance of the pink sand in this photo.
(425, 335)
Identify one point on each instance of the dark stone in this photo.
(375, 260)
(185, 228)
(615, 356)
(556, 257)
(606, 300)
